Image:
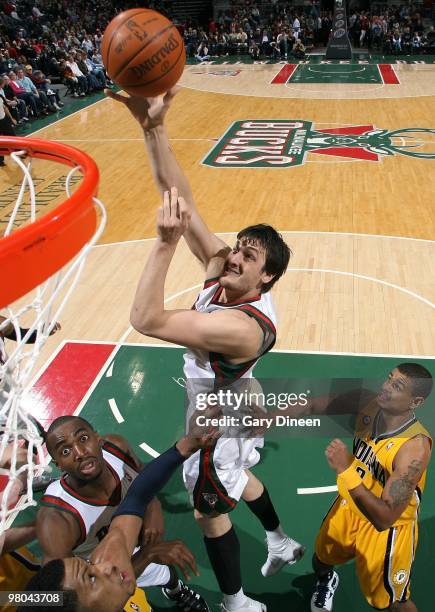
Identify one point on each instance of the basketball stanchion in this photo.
(41, 260)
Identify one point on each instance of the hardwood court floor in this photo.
(363, 235)
(328, 193)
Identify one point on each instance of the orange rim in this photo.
(31, 254)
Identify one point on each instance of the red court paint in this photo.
(62, 386)
(350, 129)
(354, 152)
(388, 75)
(284, 74)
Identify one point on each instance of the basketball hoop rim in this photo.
(31, 254)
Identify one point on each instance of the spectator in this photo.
(43, 84)
(296, 24)
(77, 74)
(406, 40)
(97, 71)
(24, 82)
(32, 101)
(88, 45)
(98, 39)
(69, 79)
(396, 42)
(37, 13)
(266, 39)
(92, 82)
(416, 43)
(283, 43)
(202, 54)
(16, 107)
(254, 50)
(298, 50)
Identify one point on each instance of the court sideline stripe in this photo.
(290, 351)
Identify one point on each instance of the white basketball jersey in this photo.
(231, 456)
(200, 364)
(93, 516)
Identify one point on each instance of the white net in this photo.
(22, 454)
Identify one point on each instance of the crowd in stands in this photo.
(279, 30)
(391, 30)
(47, 42)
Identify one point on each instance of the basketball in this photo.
(143, 52)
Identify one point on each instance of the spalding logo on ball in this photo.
(143, 52)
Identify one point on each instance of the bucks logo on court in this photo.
(280, 143)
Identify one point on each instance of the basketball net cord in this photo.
(19, 431)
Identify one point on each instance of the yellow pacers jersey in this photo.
(16, 569)
(137, 602)
(374, 456)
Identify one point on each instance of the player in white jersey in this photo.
(231, 326)
(77, 508)
(220, 489)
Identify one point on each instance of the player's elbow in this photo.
(382, 524)
(142, 322)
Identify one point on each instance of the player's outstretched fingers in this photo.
(184, 212)
(184, 559)
(166, 208)
(174, 203)
(329, 451)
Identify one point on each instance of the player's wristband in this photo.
(350, 478)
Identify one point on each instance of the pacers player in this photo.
(231, 325)
(374, 518)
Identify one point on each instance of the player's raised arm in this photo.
(231, 332)
(127, 520)
(150, 113)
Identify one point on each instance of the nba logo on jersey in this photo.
(211, 499)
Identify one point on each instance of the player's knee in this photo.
(199, 516)
(212, 525)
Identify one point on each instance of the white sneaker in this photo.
(286, 554)
(323, 596)
(250, 605)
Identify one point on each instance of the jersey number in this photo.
(361, 472)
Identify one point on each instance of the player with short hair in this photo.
(232, 324)
(77, 509)
(105, 582)
(374, 519)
